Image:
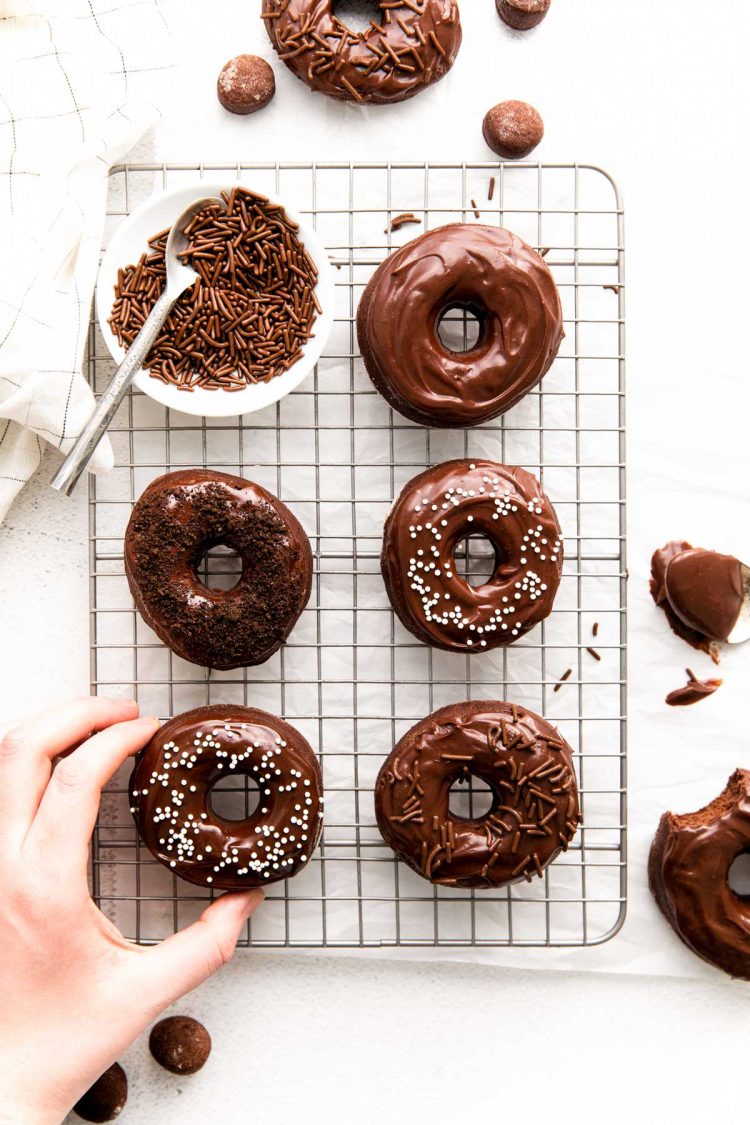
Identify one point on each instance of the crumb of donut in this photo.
(180, 1044)
(106, 1098)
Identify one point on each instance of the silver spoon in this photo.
(179, 278)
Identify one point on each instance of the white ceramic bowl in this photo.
(130, 240)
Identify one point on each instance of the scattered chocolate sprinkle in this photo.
(399, 221)
(491, 191)
(592, 652)
(595, 629)
(477, 214)
(249, 313)
(565, 676)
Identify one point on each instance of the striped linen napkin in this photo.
(78, 86)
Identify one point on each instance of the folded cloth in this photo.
(79, 81)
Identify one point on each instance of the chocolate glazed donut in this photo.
(438, 509)
(178, 518)
(407, 49)
(688, 871)
(170, 795)
(492, 274)
(527, 765)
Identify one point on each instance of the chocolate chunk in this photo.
(246, 84)
(693, 691)
(180, 1044)
(700, 591)
(106, 1098)
(522, 14)
(513, 129)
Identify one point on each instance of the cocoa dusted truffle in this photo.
(522, 14)
(513, 129)
(180, 1044)
(246, 84)
(106, 1098)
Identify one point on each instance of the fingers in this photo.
(27, 752)
(186, 959)
(67, 813)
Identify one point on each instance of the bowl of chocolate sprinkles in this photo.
(254, 323)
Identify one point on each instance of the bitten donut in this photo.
(529, 768)
(170, 797)
(433, 514)
(688, 871)
(178, 518)
(492, 274)
(410, 46)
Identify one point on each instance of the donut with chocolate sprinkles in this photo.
(434, 514)
(412, 44)
(180, 517)
(688, 872)
(528, 767)
(170, 798)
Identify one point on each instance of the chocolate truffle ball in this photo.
(180, 1044)
(106, 1097)
(513, 129)
(522, 14)
(246, 84)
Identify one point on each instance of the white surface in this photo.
(131, 240)
(657, 94)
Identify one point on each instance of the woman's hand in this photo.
(73, 992)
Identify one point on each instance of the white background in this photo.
(655, 93)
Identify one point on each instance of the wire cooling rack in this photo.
(351, 678)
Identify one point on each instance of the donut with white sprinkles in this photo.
(170, 798)
(434, 514)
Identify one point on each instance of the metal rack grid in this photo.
(350, 677)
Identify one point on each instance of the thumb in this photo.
(185, 960)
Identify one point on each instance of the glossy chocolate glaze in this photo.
(177, 519)
(693, 691)
(438, 509)
(522, 14)
(527, 765)
(170, 797)
(401, 53)
(486, 270)
(688, 874)
(700, 591)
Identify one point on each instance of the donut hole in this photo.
(220, 567)
(460, 328)
(234, 797)
(476, 560)
(739, 876)
(357, 14)
(470, 798)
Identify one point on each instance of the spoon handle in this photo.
(66, 477)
